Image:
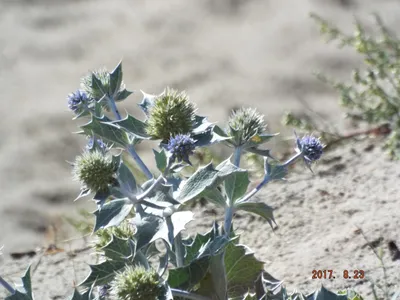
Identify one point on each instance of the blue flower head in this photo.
(310, 147)
(180, 147)
(78, 101)
(96, 144)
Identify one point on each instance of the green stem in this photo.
(229, 211)
(179, 251)
(7, 286)
(187, 295)
(130, 148)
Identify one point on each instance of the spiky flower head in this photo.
(180, 147)
(310, 147)
(78, 102)
(171, 114)
(94, 170)
(125, 230)
(137, 283)
(245, 124)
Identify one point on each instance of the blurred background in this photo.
(224, 53)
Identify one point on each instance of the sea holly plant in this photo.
(138, 225)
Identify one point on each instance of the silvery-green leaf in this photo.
(207, 138)
(118, 249)
(26, 285)
(275, 171)
(324, 294)
(236, 185)
(163, 265)
(147, 226)
(258, 208)
(201, 124)
(193, 249)
(179, 221)
(97, 85)
(218, 130)
(215, 197)
(261, 152)
(147, 102)
(106, 130)
(250, 296)
(242, 269)
(168, 293)
(219, 278)
(100, 197)
(116, 79)
(188, 276)
(83, 193)
(133, 126)
(122, 95)
(102, 273)
(204, 178)
(161, 160)
(112, 213)
(126, 180)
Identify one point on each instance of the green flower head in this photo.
(125, 231)
(137, 283)
(94, 170)
(170, 115)
(245, 124)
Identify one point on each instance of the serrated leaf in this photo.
(214, 196)
(118, 249)
(106, 130)
(258, 208)
(147, 102)
(236, 186)
(161, 160)
(201, 124)
(204, 178)
(96, 84)
(126, 181)
(261, 152)
(147, 226)
(207, 138)
(19, 296)
(116, 79)
(27, 286)
(324, 294)
(122, 95)
(133, 126)
(193, 248)
(275, 171)
(179, 221)
(100, 198)
(188, 276)
(242, 269)
(102, 273)
(219, 278)
(112, 213)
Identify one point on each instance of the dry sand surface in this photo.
(224, 53)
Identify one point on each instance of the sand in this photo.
(224, 54)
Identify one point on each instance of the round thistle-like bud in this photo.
(137, 283)
(125, 230)
(180, 147)
(311, 147)
(78, 102)
(94, 91)
(171, 114)
(94, 170)
(244, 124)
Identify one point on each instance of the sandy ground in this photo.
(225, 53)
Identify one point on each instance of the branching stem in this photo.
(7, 286)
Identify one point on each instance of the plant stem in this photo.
(179, 251)
(130, 148)
(7, 286)
(139, 161)
(187, 295)
(150, 189)
(229, 210)
(255, 190)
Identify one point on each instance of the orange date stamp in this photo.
(330, 274)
